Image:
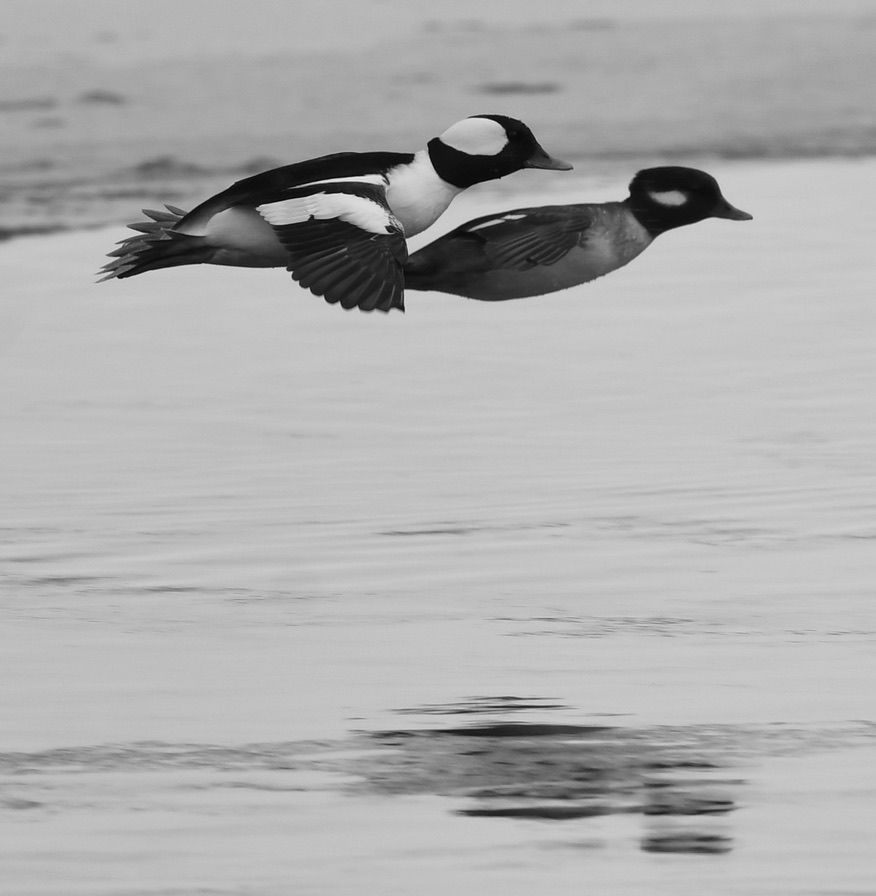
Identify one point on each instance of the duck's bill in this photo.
(725, 210)
(540, 159)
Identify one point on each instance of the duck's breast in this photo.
(417, 195)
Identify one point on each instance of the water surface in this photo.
(496, 597)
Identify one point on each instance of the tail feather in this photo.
(156, 245)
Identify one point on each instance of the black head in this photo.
(663, 198)
(486, 147)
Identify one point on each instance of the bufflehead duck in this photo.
(338, 222)
(532, 251)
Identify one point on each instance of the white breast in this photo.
(417, 195)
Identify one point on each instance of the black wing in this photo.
(344, 243)
(269, 186)
(525, 238)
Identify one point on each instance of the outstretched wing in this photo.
(526, 238)
(344, 242)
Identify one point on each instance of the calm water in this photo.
(495, 598)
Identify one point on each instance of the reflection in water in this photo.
(515, 777)
(675, 778)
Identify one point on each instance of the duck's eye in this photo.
(669, 197)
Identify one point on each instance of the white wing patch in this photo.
(669, 197)
(476, 137)
(494, 221)
(377, 179)
(355, 210)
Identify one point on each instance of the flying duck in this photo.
(533, 251)
(337, 222)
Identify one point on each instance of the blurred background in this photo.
(105, 105)
(484, 598)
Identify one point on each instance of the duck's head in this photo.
(486, 147)
(672, 196)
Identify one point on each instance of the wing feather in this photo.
(529, 237)
(344, 243)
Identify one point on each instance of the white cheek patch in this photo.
(476, 137)
(494, 221)
(355, 210)
(669, 197)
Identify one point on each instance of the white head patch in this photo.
(476, 137)
(669, 197)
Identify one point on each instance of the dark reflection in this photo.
(687, 842)
(504, 729)
(474, 705)
(505, 760)
(676, 779)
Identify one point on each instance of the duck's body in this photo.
(532, 251)
(338, 222)
(529, 251)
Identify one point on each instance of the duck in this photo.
(528, 252)
(339, 223)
